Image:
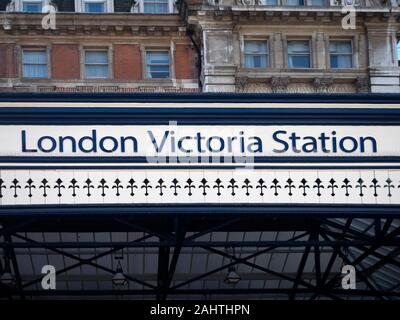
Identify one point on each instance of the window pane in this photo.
(157, 57)
(157, 72)
(157, 64)
(94, 7)
(300, 61)
(96, 57)
(341, 61)
(32, 7)
(35, 57)
(340, 47)
(96, 64)
(298, 47)
(34, 64)
(252, 61)
(398, 51)
(316, 3)
(255, 47)
(295, 2)
(269, 2)
(35, 71)
(93, 71)
(156, 6)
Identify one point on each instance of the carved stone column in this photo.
(362, 85)
(323, 84)
(279, 84)
(241, 83)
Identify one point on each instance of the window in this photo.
(32, 5)
(157, 64)
(295, 2)
(255, 54)
(398, 52)
(269, 2)
(299, 54)
(96, 64)
(155, 6)
(95, 6)
(316, 3)
(34, 63)
(341, 54)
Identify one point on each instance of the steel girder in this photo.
(321, 233)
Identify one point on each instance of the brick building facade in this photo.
(193, 45)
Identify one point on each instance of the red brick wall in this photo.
(185, 62)
(127, 62)
(65, 61)
(8, 65)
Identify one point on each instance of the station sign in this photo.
(180, 141)
(60, 161)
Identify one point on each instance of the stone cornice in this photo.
(289, 15)
(92, 23)
(309, 75)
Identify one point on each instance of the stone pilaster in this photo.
(219, 69)
(320, 51)
(383, 66)
(278, 52)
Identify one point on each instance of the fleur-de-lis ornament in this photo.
(30, 186)
(204, 186)
(73, 186)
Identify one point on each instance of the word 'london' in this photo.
(168, 141)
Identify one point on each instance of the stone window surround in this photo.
(158, 47)
(30, 46)
(311, 38)
(96, 47)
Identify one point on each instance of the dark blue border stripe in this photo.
(190, 111)
(272, 159)
(205, 209)
(194, 116)
(288, 167)
(201, 97)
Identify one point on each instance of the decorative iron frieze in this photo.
(199, 186)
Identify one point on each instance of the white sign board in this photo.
(202, 140)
